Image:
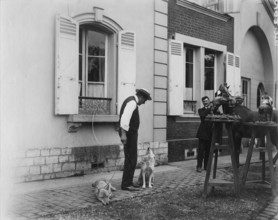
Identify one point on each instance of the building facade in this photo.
(218, 41)
(66, 68)
(67, 65)
(204, 39)
(256, 45)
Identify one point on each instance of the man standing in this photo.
(204, 134)
(129, 125)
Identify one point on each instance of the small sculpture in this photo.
(265, 109)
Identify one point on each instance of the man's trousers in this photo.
(203, 153)
(130, 151)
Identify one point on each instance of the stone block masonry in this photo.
(52, 163)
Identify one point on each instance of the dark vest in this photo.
(134, 120)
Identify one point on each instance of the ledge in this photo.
(187, 118)
(92, 118)
(76, 121)
(203, 10)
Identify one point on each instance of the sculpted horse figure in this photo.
(233, 106)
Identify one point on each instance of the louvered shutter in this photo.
(176, 78)
(233, 78)
(126, 66)
(66, 66)
(230, 71)
(237, 76)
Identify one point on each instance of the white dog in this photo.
(103, 191)
(146, 176)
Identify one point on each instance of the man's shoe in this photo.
(130, 188)
(199, 169)
(136, 185)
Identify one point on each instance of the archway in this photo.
(256, 64)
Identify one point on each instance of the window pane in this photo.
(96, 69)
(209, 60)
(209, 70)
(189, 55)
(80, 40)
(209, 78)
(80, 67)
(96, 43)
(243, 87)
(189, 75)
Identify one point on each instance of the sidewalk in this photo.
(36, 199)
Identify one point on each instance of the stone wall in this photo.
(52, 163)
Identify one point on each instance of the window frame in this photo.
(97, 16)
(247, 95)
(186, 48)
(85, 56)
(189, 92)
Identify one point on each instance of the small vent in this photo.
(97, 165)
(176, 48)
(67, 27)
(190, 153)
(230, 59)
(128, 39)
(237, 64)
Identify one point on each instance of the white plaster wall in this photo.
(253, 66)
(27, 68)
(252, 13)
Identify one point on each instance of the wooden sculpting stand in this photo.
(214, 149)
(264, 128)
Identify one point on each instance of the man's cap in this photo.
(144, 92)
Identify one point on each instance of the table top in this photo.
(261, 124)
(222, 118)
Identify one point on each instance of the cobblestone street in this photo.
(37, 199)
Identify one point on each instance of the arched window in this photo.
(97, 70)
(260, 92)
(95, 64)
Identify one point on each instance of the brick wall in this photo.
(182, 141)
(51, 163)
(195, 24)
(181, 136)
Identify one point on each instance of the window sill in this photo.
(76, 121)
(187, 118)
(93, 118)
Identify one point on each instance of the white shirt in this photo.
(126, 116)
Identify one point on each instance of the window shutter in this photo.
(233, 78)
(66, 66)
(176, 79)
(230, 71)
(126, 66)
(237, 76)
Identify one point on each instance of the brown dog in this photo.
(146, 176)
(103, 191)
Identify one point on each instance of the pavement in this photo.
(34, 200)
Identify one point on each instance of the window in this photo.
(189, 103)
(260, 92)
(95, 64)
(189, 68)
(94, 94)
(246, 91)
(92, 62)
(212, 5)
(209, 70)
